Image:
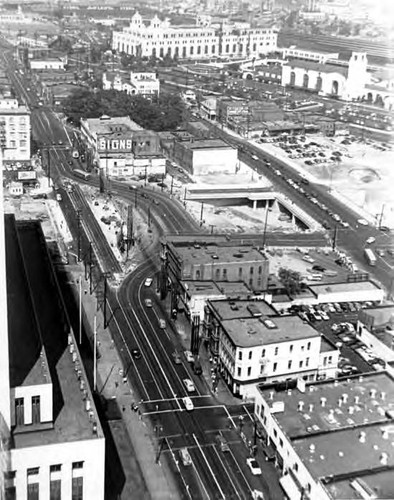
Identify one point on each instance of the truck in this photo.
(370, 257)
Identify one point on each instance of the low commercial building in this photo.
(14, 130)
(48, 63)
(56, 445)
(349, 291)
(145, 84)
(15, 188)
(331, 439)
(206, 156)
(122, 148)
(214, 259)
(375, 328)
(208, 108)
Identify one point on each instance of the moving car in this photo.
(188, 403)
(148, 302)
(136, 353)
(162, 323)
(148, 281)
(189, 356)
(189, 385)
(185, 456)
(222, 443)
(370, 240)
(177, 358)
(253, 466)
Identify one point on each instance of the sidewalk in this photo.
(133, 437)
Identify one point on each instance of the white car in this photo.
(370, 240)
(162, 323)
(189, 356)
(148, 281)
(363, 222)
(185, 456)
(324, 315)
(253, 466)
(188, 403)
(148, 302)
(189, 385)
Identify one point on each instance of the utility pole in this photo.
(381, 216)
(172, 184)
(79, 234)
(267, 209)
(130, 229)
(149, 215)
(334, 240)
(95, 354)
(49, 167)
(202, 213)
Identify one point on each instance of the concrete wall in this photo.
(208, 161)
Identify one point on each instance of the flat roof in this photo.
(343, 287)
(216, 287)
(250, 332)
(109, 125)
(326, 345)
(220, 254)
(381, 483)
(232, 309)
(20, 110)
(207, 144)
(71, 420)
(328, 414)
(380, 315)
(321, 67)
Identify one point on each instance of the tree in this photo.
(291, 280)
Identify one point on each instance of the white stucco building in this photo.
(14, 130)
(158, 38)
(142, 83)
(56, 448)
(346, 82)
(47, 63)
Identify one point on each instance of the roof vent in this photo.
(385, 433)
(361, 437)
(372, 393)
(340, 454)
(289, 392)
(312, 448)
(323, 402)
(351, 410)
(339, 402)
(345, 397)
(300, 405)
(271, 394)
(311, 408)
(383, 395)
(214, 256)
(383, 458)
(356, 399)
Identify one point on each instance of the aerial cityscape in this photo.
(197, 250)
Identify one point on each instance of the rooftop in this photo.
(20, 110)
(207, 144)
(35, 277)
(106, 125)
(216, 288)
(380, 482)
(343, 287)
(377, 317)
(249, 332)
(326, 345)
(232, 309)
(203, 254)
(316, 66)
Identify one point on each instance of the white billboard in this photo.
(27, 175)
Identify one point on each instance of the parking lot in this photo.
(337, 322)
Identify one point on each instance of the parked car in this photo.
(189, 357)
(188, 403)
(136, 353)
(189, 385)
(185, 456)
(177, 358)
(162, 323)
(253, 466)
(222, 443)
(148, 302)
(148, 281)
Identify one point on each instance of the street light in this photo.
(267, 209)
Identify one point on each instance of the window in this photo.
(240, 355)
(239, 372)
(301, 364)
(260, 269)
(224, 274)
(275, 433)
(250, 354)
(308, 346)
(217, 274)
(263, 353)
(33, 491)
(295, 467)
(302, 348)
(281, 442)
(329, 360)
(77, 465)
(55, 468)
(276, 351)
(77, 488)
(251, 270)
(55, 489)
(35, 409)
(275, 366)
(9, 485)
(240, 273)
(307, 362)
(197, 274)
(289, 364)
(19, 411)
(249, 371)
(291, 347)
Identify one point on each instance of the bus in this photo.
(370, 257)
(82, 174)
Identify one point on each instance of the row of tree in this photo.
(164, 113)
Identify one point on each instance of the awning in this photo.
(290, 487)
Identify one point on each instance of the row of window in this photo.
(20, 410)
(55, 483)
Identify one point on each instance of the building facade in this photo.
(56, 447)
(145, 84)
(123, 148)
(14, 130)
(159, 39)
(43, 64)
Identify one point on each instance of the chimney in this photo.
(323, 402)
(356, 400)
(383, 458)
(300, 405)
(383, 395)
(385, 433)
(361, 437)
(312, 448)
(345, 397)
(311, 407)
(372, 393)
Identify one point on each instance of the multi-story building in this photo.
(55, 446)
(254, 346)
(14, 130)
(123, 148)
(375, 328)
(331, 439)
(214, 259)
(159, 39)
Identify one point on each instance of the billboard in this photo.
(115, 145)
(27, 175)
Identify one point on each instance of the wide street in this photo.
(154, 375)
